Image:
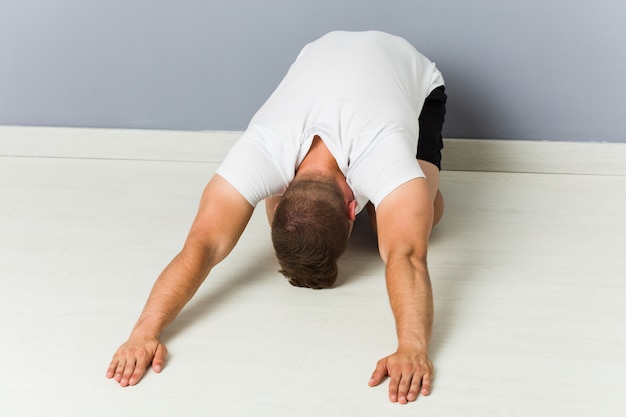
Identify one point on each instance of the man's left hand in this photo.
(410, 374)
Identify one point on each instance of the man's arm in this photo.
(221, 219)
(404, 221)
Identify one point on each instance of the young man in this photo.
(339, 133)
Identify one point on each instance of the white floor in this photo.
(529, 275)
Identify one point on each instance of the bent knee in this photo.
(438, 208)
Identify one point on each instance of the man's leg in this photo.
(430, 144)
(432, 178)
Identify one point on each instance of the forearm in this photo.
(410, 296)
(178, 282)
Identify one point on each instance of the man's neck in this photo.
(319, 161)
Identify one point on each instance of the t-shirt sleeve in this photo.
(388, 164)
(436, 81)
(251, 169)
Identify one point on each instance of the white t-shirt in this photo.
(362, 94)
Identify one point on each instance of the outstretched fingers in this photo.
(132, 360)
(414, 388)
(406, 385)
(112, 372)
(409, 376)
(126, 371)
(132, 373)
(426, 383)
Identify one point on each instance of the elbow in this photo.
(199, 253)
(415, 255)
(412, 260)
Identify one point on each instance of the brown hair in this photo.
(310, 231)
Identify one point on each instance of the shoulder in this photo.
(259, 165)
(405, 218)
(386, 163)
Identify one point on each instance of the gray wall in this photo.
(525, 69)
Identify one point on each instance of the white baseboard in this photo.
(133, 144)
(590, 158)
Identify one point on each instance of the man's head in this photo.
(310, 231)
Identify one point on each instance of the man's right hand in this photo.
(132, 359)
(222, 218)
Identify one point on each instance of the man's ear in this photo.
(352, 210)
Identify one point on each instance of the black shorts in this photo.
(430, 142)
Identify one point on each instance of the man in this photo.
(339, 133)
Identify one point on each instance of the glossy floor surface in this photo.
(528, 270)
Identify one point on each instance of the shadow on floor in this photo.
(231, 283)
